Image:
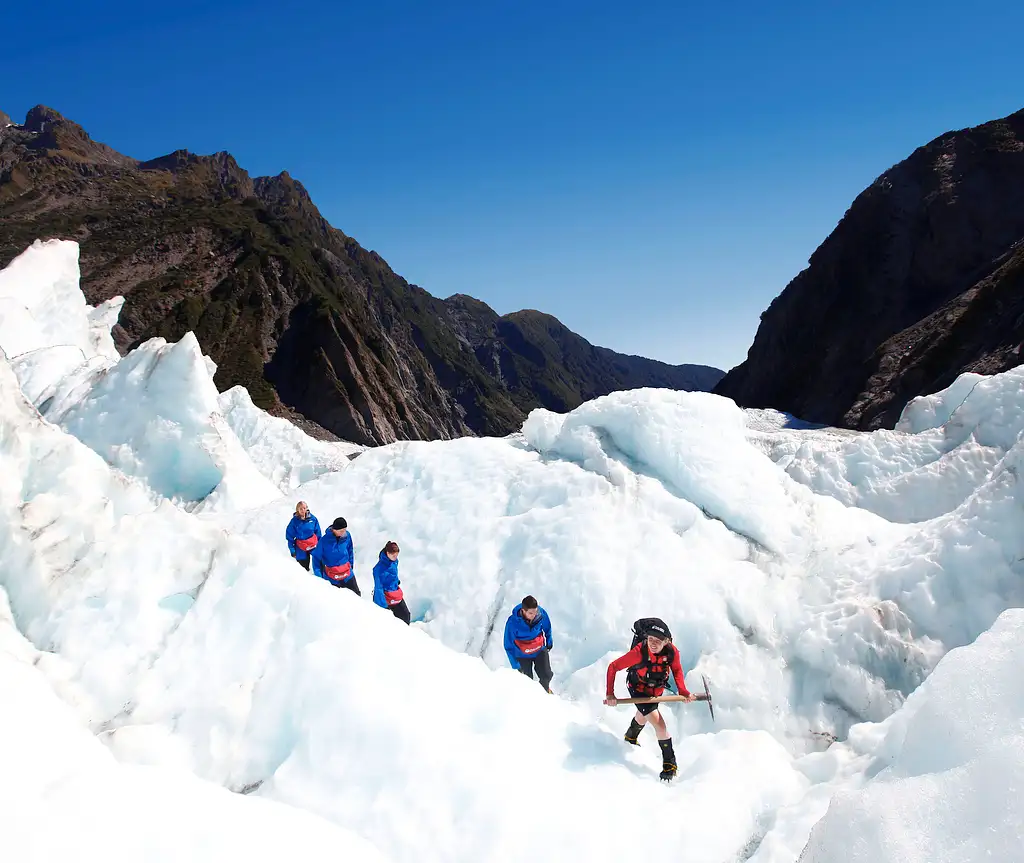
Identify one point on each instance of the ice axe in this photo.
(659, 698)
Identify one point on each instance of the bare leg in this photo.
(660, 728)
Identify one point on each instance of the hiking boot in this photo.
(633, 732)
(668, 757)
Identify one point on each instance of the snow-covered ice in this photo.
(281, 452)
(942, 449)
(154, 414)
(948, 769)
(819, 578)
(63, 794)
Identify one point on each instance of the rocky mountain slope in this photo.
(315, 326)
(923, 279)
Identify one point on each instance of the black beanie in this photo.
(339, 523)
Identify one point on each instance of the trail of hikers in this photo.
(528, 641)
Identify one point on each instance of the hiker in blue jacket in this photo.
(387, 591)
(303, 534)
(528, 640)
(334, 557)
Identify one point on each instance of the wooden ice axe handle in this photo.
(658, 699)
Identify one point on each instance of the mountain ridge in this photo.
(318, 328)
(918, 283)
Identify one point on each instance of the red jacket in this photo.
(635, 657)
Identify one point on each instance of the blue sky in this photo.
(653, 176)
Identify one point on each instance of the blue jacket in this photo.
(332, 551)
(385, 577)
(535, 636)
(301, 528)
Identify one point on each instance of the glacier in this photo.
(850, 597)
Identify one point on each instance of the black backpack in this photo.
(643, 627)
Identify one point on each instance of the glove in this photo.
(548, 648)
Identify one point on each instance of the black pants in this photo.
(542, 662)
(401, 611)
(351, 585)
(304, 563)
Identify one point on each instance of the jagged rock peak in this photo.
(40, 115)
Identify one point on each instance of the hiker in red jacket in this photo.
(649, 661)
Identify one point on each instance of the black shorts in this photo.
(645, 709)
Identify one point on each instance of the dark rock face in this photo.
(312, 324)
(919, 282)
(533, 355)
